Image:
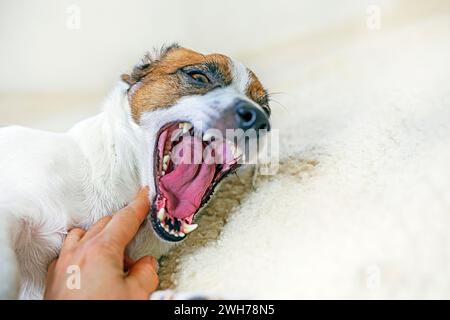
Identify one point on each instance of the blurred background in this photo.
(361, 98)
(58, 58)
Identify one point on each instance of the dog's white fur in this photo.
(51, 182)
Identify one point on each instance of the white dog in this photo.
(52, 182)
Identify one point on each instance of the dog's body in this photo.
(52, 182)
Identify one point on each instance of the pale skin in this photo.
(105, 271)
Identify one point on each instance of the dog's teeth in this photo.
(207, 136)
(166, 159)
(178, 234)
(165, 164)
(232, 149)
(161, 214)
(188, 228)
(181, 234)
(186, 127)
(172, 232)
(163, 173)
(235, 150)
(177, 135)
(166, 227)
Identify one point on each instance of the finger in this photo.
(97, 228)
(72, 239)
(144, 274)
(126, 222)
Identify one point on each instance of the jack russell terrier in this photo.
(52, 182)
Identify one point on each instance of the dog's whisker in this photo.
(279, 103)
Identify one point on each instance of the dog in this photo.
(52, 182)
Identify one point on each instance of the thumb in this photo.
(143, 274)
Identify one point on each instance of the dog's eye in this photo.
(199, 77)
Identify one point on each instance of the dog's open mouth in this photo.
(188, 166)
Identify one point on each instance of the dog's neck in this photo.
(119, 158)
(115, 149)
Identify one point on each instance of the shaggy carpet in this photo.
(360, 206)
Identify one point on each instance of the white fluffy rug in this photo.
(361, 205)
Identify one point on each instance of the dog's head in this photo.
(187, 103)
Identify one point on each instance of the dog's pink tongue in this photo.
(186, 185)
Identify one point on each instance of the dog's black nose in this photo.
(251, 117)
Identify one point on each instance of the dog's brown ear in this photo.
(127, 78)
(144, 66)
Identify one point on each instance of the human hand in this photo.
(96, 259)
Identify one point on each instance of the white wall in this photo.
(39, 53)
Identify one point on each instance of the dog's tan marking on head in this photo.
(256, 91)
(159, 84)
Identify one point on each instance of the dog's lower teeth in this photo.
(188, 228)
(161, 214)
(174, 229)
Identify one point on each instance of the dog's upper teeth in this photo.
(235, 150)
(165, 164)
(186, 127)
(161, 214)
(178, 133)
(188, 228)
(166, 159)
(207, 136)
